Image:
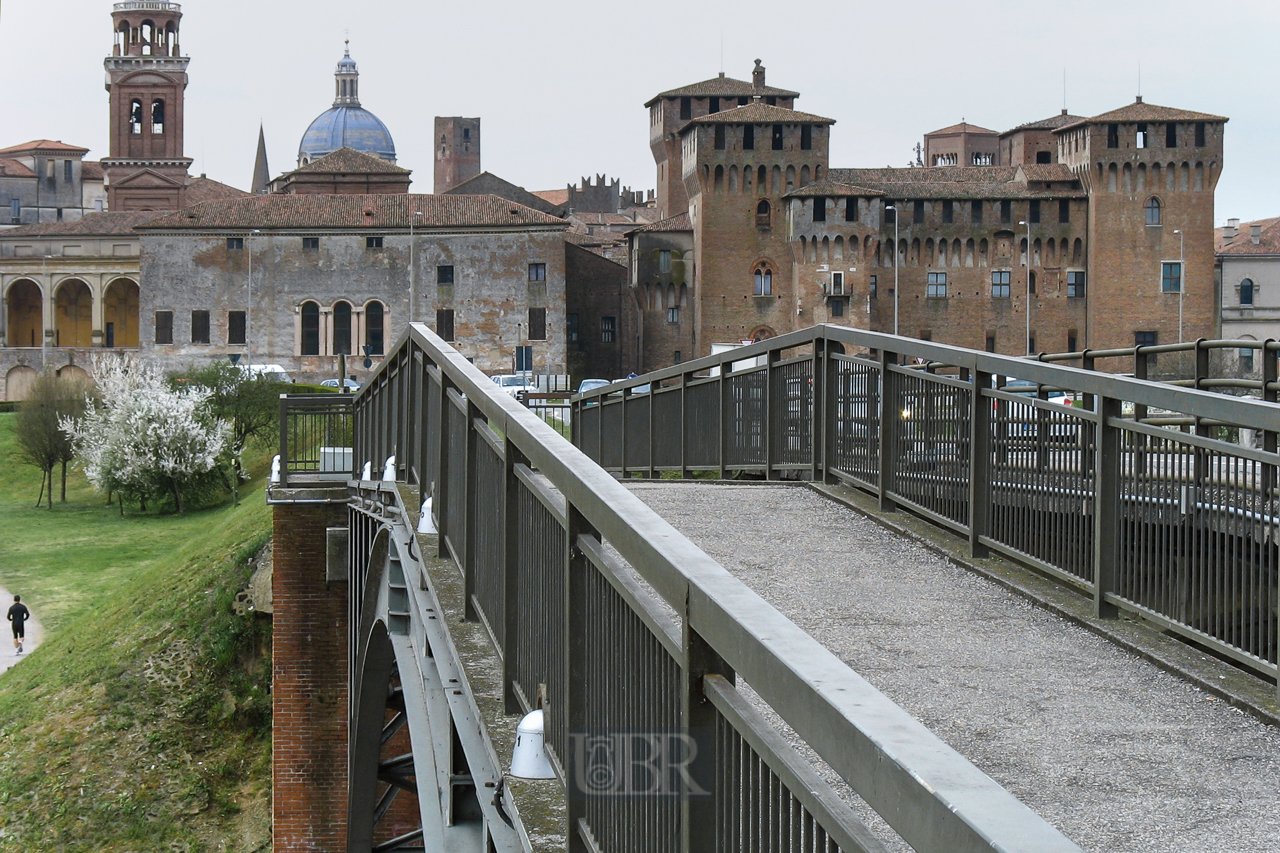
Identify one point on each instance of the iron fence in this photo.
(1127, 489)
(316, 434)
(613, 622)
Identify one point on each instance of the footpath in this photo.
(8, 654)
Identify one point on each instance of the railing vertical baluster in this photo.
(818, 413)
(697, 714)
(890, 405)
(1270, 393)
(723, 425)
(512, 546)
(684, 424)
(284, 441)
(653, 398)
(573, 705)
(471, 479)
(441, 502)
(1108, 469)
(770, 415)
(979, 464)
(426, 485)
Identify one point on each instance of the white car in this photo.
(514, 383)
(267, 371)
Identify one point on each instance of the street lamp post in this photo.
(413, 267)
(1182, 278)
(1027, 222)
(45, 290)
(895, 266)
(248, 314)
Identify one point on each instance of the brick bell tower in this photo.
(146, 76)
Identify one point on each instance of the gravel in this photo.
(1117, 754)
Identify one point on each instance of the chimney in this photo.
(1232, 228)
(757, 76)
(1255, 233)
(1139, 100)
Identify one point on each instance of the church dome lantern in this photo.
(346, 124)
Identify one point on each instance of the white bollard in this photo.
(426, 524)
(389, 470)
(275, 469)
(366, 473)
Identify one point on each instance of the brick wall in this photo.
(309, 685)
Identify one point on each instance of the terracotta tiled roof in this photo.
(679, 222)
(827, 187)
(91, 170)
(1242, 243)
(1139, 111)
(559, 197)
(106, 224)
(586, 240)
(204, 189)
(724, 87)
(14, 169)
(356, 211)
(760, 113)
(958, 182)
(1051, 123)
(962, 127)
(1046, 172)
(352, 161)
(595, 218)
(44, 145)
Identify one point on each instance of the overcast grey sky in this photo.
(561, 86)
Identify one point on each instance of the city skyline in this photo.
(561, 94)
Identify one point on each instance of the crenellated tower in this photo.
(146, 78)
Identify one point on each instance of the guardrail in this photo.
(618, 626)
(316, 433)
(1123, 488)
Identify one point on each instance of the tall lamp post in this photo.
(44, 297)
(1027, 222)
(1182, 278)
(248, 314)
(895, 266)
(413, 267)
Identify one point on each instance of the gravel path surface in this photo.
(1117, 754)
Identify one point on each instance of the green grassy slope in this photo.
(143, 720)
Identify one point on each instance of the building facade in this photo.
(48, 181)
(1249, 287)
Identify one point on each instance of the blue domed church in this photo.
(346, 124)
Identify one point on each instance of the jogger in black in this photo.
(18, 615)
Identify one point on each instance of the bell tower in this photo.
(146, 77)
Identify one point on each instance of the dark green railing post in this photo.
(441, 497)
(284, 440)
(684, 424)
(511, 548)
(1108, 468)
(979, 463)
(818, 413)
(723, 425)
(470, 511)
(770, 414)
(890, 407)
(573, 705)
(698, 717)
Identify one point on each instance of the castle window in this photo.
(819, 210)
(1152, 208)
(762, 281)
(851, 210)
(771, 101)
(236, 327)
(199, 327)
(1006, 212)
(742, 102)
(719, 133)
(763, 214)
(948, 211)
(444, 275)
(936, 287)
(1146, 339)
(444, 323)
(1000, 284)
(1246, 293)
(748, 137)
(837, 307)
(917, 212)
(806, 137)
(310, 244)
(310, 343)
(1044, 157)
(673, 315)
(715, 106)
(157, 116)
(164, 327)
(1171, 277)
(1113, 136)
(664, 260)
(135, 117)
(341, 344)
(1199, 134)
(374, 324)
(1034, 214)
(686, 108)
(235, 244)
(373, 242)
(1064, 210)
(678, 357)
(537, 273)
(991, 343)
(777, 137)
(1075, 284)
(608, 329)
(975, 212)
(890, 212)
(1171, 135)
(537, 324)
(1141, 139)
(1072, 343)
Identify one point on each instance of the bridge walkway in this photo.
(1116, 752)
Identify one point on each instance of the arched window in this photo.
(310, 329)
(1153, 211)
(135, 116)
(341, 328)
(763, 277)
(157, 116)
(763, 214)
(1246, 291)
(374, 322)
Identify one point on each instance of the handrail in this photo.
(934, 797)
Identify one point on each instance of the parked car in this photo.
(349, 384)
(591, 384)
(267, 371)
(514, 383)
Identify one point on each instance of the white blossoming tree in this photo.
(139, 437)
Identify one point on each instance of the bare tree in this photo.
(40, 438)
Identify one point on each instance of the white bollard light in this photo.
(389, 470)
(366, 473)
(426, 524)
(275, 469)
(529, 759)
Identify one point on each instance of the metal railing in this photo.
(316, 433)
(615, 623)
(1123, 488)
